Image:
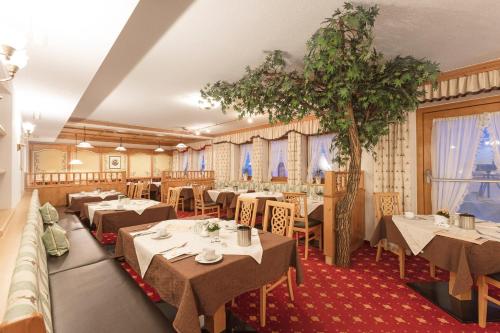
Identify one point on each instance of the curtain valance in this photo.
(464, 85)
(307, 127)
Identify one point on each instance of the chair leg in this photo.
(306, 248)
(263, 306)
(379, 251)
(432, 270)
(218, 212)
(289, 282)
(320, 236)
(402, 258)
(482, 302)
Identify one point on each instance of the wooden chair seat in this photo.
(302, 224)
(199, 203)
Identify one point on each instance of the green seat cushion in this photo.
(49, 213)
(55, 240)
(312, 223)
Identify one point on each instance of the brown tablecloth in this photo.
(155, 192)
(113, 220)
(197, 289)
(317, 214)
(464, 258)
(76, 204)
(187, 196)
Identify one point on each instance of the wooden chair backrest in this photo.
(173, 196)
(138, 190)
(198, 195)
(299, 199)
(386, 203)
(131, 190)
(280, 216)
(246, 211)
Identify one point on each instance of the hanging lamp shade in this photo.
(84, 143)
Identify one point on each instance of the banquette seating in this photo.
(82, 291)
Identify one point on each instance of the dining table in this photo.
(203, 289)
(109, 216)
(76, 200)
(465, 254)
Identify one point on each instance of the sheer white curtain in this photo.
(201, 160)
(278, 153)
(320, 156)
(494, 130)
(244, 150)
(185, 161)
(454, 146)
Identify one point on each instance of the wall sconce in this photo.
(428, 176)
(28, 129)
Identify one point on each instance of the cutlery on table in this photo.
(182, 257)
(144, 233)
(174, 247)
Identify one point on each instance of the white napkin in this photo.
(417, 233)
(213, 194)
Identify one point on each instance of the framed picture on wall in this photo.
(115, 162)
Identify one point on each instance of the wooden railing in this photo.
(142, 179)
(340, 181)
(188, 175)
(75, 178)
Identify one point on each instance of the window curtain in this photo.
(201, 160)
(320, 156)
(244, 150)
(454, 146)
(494, 130)
(185, 161)
(278, 153)
(392, 171)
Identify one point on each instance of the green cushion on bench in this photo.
(55, 240)
(49, 213)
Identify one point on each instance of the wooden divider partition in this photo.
(54, 187)
(185, 178)
(334, 190)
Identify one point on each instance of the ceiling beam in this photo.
(150, 20)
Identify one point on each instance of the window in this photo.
(246, 159)
(483, 198)
(319, 156)
(466, 148)
(278, 159)
(185, 161)
(201, 160)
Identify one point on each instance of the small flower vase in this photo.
(317, 180)
(214, 234)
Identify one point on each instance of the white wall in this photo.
(11, 182)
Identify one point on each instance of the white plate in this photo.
(168, 235)
(199, 258)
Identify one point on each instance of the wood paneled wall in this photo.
(136, 162)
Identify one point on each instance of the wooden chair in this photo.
(146, 190)
(389, 203)
(483, 297)
(246, 211)
(279, 217)
(207, 208)
(130, 190)
(173, 197)
(301, 222)
(138, 190)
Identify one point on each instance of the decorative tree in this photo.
(348, 85)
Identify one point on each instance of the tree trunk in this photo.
(345, 206)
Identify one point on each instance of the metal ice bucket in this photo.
(244, 235)
(467, 221)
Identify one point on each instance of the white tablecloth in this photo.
(416, 232)
(312, 204)
(102, 195)
(277, 195)
(138, 206)
(158, 184)
(183, 231)
(215, 193)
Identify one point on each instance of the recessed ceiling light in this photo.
(75, 162)
(250, 120)
(207, 130)
(197, 132)
(195, 99)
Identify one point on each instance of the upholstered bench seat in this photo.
(84, 250)
(101, 297)
(70, 222)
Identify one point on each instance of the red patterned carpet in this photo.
(369, 297)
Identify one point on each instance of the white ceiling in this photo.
(216, 39)
(67, 42)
